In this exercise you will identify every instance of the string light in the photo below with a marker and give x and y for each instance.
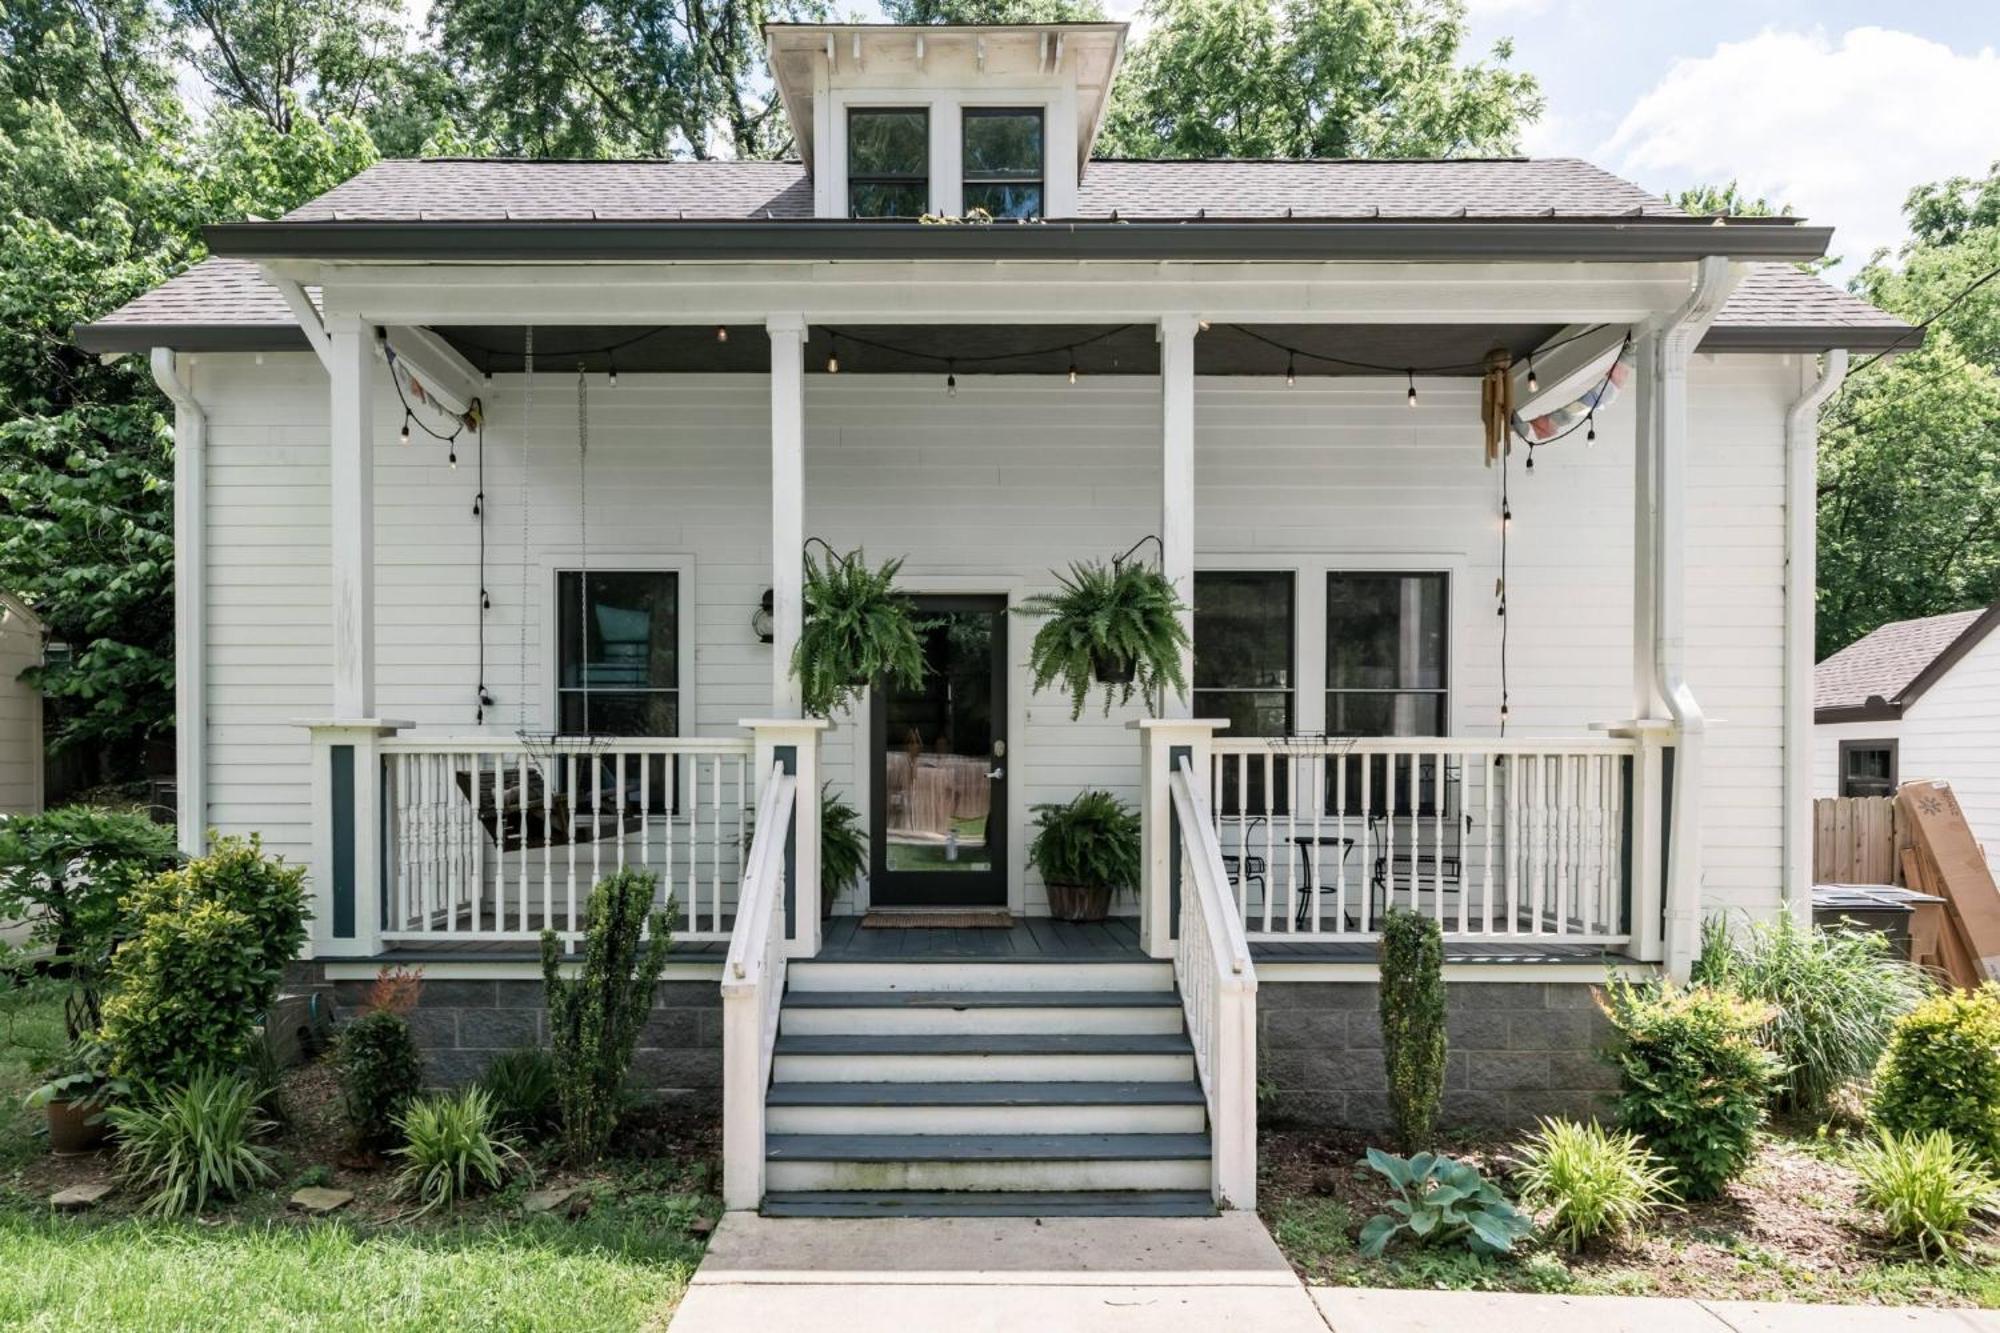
(1590, 436)
(722, 333)
(1534, 386)
(833, 357)
(405, 434)
(1531, 455)
(611, 375)
(951, 379)
(1411, 397)
(1072, 368)
(451, 456)
(1291, 371)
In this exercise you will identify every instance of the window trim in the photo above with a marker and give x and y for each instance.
(611, 562)
(1890, 743)
(922, 110)
(966, 115)
(1448, 691)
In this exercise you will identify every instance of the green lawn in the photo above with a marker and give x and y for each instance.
(253, 1265)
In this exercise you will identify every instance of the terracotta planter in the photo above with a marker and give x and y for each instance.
(1113, 670)
(1077, 902)
(73, 1128)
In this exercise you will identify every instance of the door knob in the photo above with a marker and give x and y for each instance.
(996, 773)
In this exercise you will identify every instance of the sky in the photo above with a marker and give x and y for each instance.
(1835, 107)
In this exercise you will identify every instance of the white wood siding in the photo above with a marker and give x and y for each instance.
(20, 716)
(1952, 731)
(986, 492)
(1827, 737)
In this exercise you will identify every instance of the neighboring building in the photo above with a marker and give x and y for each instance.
(20, 710)
(463, 676)
(1915, 699)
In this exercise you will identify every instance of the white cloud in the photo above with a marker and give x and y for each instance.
(1839, 132)
(1496, 9)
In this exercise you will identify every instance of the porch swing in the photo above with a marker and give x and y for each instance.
(565, 795)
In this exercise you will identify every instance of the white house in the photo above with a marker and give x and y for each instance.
(20, 709)
(495, 478)
(1915, 699)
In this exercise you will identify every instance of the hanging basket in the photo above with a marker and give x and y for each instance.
(1113, 669)
(1078, 902)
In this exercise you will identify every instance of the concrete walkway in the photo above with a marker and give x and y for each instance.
(994, 1275)
(1127, 1275)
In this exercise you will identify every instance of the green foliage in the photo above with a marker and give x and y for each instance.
(1592, 1181)
(1092, 842)
(1833, 993)
(1941, 1071)
(211, 944)
(1298, 78)
(63, 873)
(843, 845)
(449, 1149)
(858, 629)
(1694, 1080)
(1413, 1023)
(595, 1017)
(1115, 618)
(1928, 1188)
(192, 1143)
(380, 1071)
(1442, 1202)
(993, 11)
(522, 1088)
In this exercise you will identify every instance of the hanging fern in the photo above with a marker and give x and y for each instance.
(858, 629)
(1107, 621)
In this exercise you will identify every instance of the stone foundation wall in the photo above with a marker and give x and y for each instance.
(462, 1025)
(1517, 1051)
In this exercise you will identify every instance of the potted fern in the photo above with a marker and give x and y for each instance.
(858, 629)
(1086, 852)
(843, 848)
(1117, 625)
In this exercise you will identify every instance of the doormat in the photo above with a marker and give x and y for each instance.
(993, 920)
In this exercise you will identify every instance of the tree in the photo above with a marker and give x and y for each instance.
(1314, 78)
(993, 11)
(271, 57)
(105, 62)
(1731, 201)
(1909, 479)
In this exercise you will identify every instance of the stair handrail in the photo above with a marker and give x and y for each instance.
(753, 989)
(1218, 984)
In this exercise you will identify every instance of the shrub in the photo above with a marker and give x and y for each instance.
(1091, 842)
(212, 942)
(594, 1017)
(62, 875)
(843, 847)
(1118, 624)
(1927, 1187)
(1694, 1082)
(1442, 1202)
(1413, 1016)
(857, 629)
(1941, 1070)
(1592, 1181)
(380, 1071)
(449, 1149)
(1834, 994)
(193, 1143)
(522, 1085)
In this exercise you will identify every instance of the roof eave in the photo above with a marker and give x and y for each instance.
(1875, 710)
(1813, 338)
(120, 338)
(1602, 241)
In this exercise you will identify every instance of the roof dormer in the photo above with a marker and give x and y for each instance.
(897, 121)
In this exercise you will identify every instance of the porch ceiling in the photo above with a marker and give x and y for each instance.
(1011, 349)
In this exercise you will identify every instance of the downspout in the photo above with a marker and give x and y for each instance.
(1801, 561)
(1673, 350)
(190, 604)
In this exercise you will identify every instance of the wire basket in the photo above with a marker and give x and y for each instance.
(1308, 744)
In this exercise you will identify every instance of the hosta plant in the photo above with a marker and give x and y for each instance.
(1590, 1180)
(1928, 1188)
(1118, 624)
(858, 629)
(194, 1143)
(450, 1149)
(1441, 1201)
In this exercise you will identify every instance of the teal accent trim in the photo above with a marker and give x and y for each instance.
(341, 775)
(788, 759)
(1174, 756)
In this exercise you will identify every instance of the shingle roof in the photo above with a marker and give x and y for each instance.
(1776, 303)
(1886, 661)
(480, 189)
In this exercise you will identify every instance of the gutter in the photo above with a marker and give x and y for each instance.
(1601, 240)
(190, 604)
(1801, 547)
(1673, 347)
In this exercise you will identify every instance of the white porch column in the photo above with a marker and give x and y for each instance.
(1162, 741)
(794, 743)
(1177, 482)
(190, 603)
(352, 480)
(788, 505)
(1816, 385)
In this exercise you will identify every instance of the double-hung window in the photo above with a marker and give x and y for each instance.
(1003, 162)
(618, 653)
(1386, 640)
(1243, 653)
(888, 162)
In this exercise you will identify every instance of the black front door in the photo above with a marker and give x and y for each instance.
(938, 757)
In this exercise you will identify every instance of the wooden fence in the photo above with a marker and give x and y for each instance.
(1858, 840)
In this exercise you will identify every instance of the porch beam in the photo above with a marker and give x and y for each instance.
(351, 474)
(1177, 334)
(788, 506)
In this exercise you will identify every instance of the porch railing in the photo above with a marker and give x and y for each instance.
(486, 838)
(753, 989)
(1218, 985)
(1494, 839)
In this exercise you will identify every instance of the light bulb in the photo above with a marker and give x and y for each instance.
(833, 363)
(452, 457)
(1291, 371)
(1590, 436)
(1411, 397)
(950, 384)
(405, 434)
(612, 377)
(1534, 385)
(722, 333)
(1072, 370)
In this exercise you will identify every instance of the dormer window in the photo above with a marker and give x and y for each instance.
(1003, 162)
(888, 162)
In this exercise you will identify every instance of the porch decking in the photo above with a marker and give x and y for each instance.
(1034, 939)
